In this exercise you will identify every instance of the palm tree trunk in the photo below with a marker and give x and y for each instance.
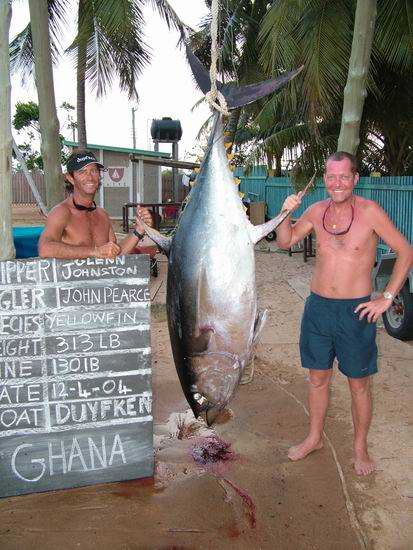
(355, 90)
(231, 129)
(49, 124)
(7, 250)
(278, 167)
(81, 82)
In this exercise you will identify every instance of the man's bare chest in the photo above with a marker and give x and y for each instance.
(87, 228)
(360, 239)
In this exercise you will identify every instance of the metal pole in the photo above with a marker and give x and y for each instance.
(159, 172)
(133, 128)
(175, 178)
(134, 167)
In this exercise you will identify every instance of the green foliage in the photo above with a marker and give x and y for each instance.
(32, 157)
(25, 120)
(259, 39)
(26, 116)
(319, 33)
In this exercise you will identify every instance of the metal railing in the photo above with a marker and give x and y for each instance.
(155, 207)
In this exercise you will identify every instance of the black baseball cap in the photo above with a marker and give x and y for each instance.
(80, 159)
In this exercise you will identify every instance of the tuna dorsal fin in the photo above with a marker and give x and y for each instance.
(237, 96)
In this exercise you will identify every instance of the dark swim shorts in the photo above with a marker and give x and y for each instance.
(330, 329)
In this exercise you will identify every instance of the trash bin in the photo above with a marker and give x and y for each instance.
(257, 212)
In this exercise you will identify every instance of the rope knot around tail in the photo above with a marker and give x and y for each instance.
(217, 101)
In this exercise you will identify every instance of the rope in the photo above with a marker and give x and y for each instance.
(214, 97)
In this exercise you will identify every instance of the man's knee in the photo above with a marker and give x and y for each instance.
(319, 379)
(359, 386)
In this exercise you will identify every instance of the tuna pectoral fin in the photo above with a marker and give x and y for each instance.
(258, 232)
(259, 325)
(205, 335)
(163, 242)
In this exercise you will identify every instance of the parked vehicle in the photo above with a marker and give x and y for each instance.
(398, 319)
(272, 235)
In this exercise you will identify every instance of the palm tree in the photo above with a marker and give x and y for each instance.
(49, 124)
(6, 239)
(319, 35)
(109, 44)
(355, 90)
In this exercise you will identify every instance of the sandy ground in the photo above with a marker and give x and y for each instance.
(259, 499)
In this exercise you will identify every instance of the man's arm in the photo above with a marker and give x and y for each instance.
(386, 230)
(51, 245)
(143, 216)
(287, 234)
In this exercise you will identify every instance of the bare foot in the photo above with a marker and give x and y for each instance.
(300, 451)
(363, 464)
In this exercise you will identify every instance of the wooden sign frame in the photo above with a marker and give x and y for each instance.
(75, 373)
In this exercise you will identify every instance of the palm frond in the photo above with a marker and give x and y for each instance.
(170, 16)
(394, 33)
(204, 128)
(114, 44)
(21, 47)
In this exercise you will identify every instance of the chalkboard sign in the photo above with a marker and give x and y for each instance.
(75, 373)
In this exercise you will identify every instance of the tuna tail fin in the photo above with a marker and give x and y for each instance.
(237, 96)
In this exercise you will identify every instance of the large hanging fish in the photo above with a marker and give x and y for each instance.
(211, 293)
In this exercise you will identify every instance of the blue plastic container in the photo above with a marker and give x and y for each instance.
(26, 240)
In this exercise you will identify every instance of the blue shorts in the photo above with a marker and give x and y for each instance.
(330, 329)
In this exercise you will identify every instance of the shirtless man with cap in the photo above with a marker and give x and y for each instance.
(339, 315)
(76, 227)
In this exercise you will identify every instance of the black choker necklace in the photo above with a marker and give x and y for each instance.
(338, 232)
(81, 207)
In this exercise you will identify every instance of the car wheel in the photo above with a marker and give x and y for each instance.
(398, 319)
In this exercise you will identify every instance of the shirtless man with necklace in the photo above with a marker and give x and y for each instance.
(76, 227)
(339, 316)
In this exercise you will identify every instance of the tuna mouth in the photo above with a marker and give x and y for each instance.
(216, 376)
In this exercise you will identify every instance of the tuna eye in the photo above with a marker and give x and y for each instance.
(199, 398)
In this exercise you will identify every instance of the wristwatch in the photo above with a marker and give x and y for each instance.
(137, 234)
(388, 295)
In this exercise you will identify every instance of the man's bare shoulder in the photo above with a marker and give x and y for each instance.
(313, 211)
(60, 210)
(102, 212)
(370, 207)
